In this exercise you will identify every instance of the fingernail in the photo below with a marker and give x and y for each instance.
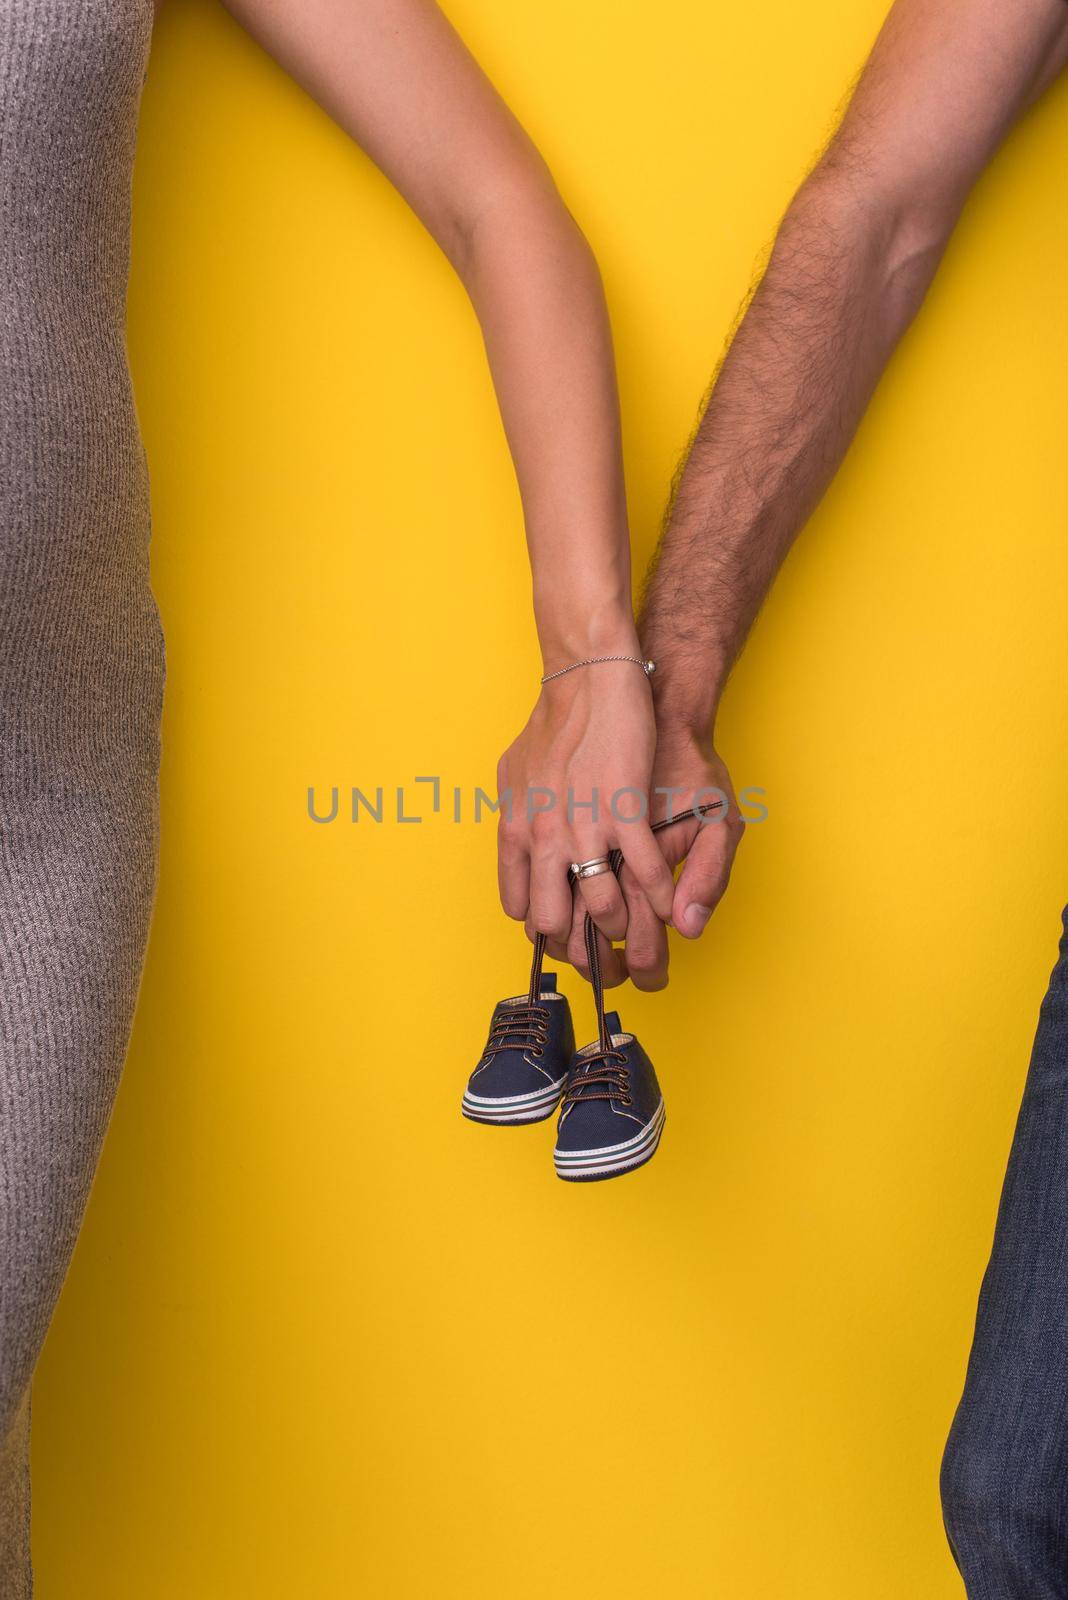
(696, 917)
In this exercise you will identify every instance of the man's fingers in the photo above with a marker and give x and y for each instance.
(647, 946)
(645, 861)
(705, 874)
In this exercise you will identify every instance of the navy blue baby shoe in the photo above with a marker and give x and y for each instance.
(613, 1111)
(524, 1066)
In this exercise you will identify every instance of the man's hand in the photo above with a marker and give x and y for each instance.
(578, 776)
(687, 773)
(852, 260)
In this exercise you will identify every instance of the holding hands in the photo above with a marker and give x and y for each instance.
(576, 786)
(590, 774)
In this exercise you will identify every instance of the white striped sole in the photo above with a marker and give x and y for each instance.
(533, 1107)
(577, 1166)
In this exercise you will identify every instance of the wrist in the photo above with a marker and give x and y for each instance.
(686, 696)
(603, 627)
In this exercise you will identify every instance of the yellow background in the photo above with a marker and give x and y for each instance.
(322, 1337)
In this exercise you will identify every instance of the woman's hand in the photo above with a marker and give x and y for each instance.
(687, 772)
(395, 74)
(578, 779)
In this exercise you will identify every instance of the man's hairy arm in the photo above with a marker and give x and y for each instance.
(851, 263)
(853, 258)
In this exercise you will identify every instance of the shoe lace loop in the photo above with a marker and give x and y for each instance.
(523, 1027)
(604, 1076)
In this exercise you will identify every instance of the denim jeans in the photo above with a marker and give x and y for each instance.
(1005, 1470)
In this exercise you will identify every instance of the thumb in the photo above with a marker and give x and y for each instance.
(703, 878)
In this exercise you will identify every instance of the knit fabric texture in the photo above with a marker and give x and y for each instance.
(81, 661)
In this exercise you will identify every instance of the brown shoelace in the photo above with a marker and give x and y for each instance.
(529, 1024)
(604, 1071)
(603, 1076)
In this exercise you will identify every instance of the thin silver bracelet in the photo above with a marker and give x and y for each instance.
(648, 667)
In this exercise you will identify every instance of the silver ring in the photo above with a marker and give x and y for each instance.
(591, 869)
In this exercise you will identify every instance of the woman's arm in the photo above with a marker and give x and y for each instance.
(395, 75)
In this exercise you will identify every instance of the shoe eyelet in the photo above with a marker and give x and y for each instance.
(537, 1051)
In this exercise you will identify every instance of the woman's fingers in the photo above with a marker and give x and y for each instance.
(613, 962)
(555, 949)
(550, 890)
(603, 899)
(513, 872)
(535, 889)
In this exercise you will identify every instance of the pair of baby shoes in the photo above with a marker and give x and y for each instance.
(612, 1111)
(611, 1108)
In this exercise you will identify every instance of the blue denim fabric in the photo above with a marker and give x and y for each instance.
(1005, 1470)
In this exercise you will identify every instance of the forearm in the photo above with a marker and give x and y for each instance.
(590, 738)
(397, 77)
(841, 286)
(537, 293)
(855, 254)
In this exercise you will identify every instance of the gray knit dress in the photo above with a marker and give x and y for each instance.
(81, 661)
